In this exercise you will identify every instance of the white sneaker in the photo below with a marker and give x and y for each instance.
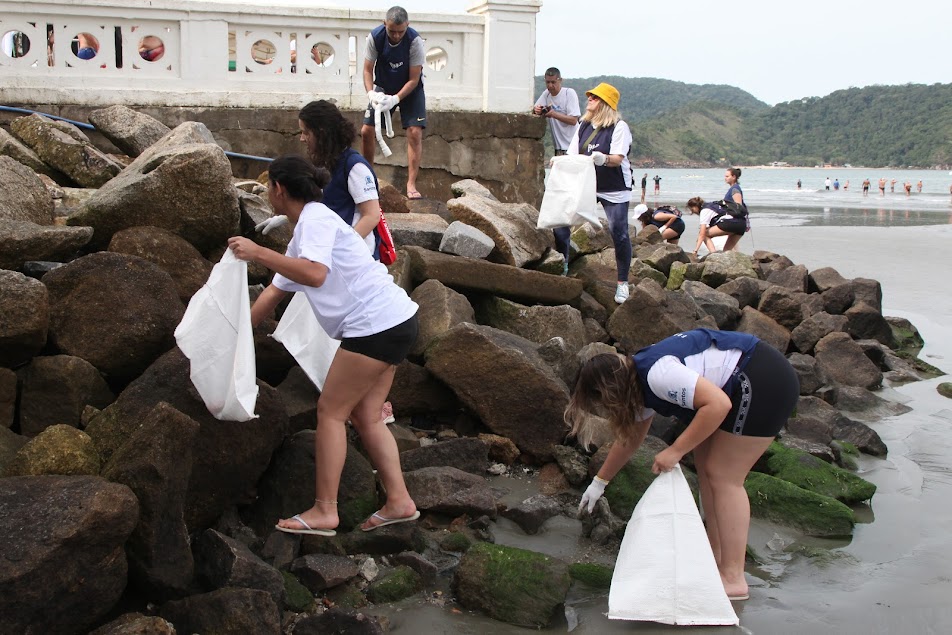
(621, 293)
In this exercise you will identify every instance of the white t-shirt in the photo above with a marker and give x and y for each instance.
(673, 381)
(358, 297)
(707, 215)
(621, 143)
(362, 188)
(565, 103)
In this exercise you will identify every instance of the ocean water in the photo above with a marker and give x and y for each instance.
(774, 200)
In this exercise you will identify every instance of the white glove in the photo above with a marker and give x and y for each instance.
(592, 494)
(272, 223)
(599, 157)
(388, 102)
(374, 96)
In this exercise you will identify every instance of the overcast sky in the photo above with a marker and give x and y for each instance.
(777, 51)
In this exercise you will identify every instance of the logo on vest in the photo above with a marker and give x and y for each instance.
(395, 65)
(593, 146)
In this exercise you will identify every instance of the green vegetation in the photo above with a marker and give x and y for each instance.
(782, 502)
(400, 583)
(679, 124)
(596, 576)
(457, 542)
(818, 476)
(299, 599)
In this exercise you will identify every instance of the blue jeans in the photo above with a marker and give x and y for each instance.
(617, 214)
(563, 240)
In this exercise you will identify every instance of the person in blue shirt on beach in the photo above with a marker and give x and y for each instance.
(393, 75)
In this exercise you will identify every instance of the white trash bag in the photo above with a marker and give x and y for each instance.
(216, 336)
(308, 343)
(665, 571)
(569, 197)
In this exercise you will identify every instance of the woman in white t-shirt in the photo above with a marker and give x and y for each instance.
(715, 221)
(734, 391)
(356, 301)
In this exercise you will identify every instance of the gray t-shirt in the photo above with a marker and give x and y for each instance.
(566, 103)
(417, 51)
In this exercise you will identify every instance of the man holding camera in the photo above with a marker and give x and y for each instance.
(560, 106)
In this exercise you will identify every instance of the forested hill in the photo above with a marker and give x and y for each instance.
(878, 126)
(644, 98)
(681, 124)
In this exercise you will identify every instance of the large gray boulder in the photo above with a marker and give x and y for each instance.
(56, 389)
(825, 278)
(227, 611)
(662, 256)
(186, 189)
(155, 463)
(130, 131)
(450, 491)
(814, 328)
(67, 570)
(723, 266)
(722, 307)
(441, 309)
(865, 322)
(24, 317)
(62, 146)
(460, 239)
(22, 241)
(12, 147)
(512, 282)
(225, 562)
(23, 196)
(765, 327)
(422, 230)
(651, 314)
(842, 360)
(512, 226)
(501, 378)
(794, 278)
(512, 585)
(537, 324)
(59, 449)
(115, 311)
(783, 305)
(172, 253)
(228, 457)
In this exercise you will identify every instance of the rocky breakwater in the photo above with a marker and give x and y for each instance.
(125, 507)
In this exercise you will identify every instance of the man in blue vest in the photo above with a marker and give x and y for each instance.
(393, 74)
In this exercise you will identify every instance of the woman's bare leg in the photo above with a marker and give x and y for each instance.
(728, 461)
(701, 455)
(350, 377)
(382, 448)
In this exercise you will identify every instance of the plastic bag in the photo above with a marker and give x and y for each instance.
(308, 343)
(569, 197)
(665, 570)
(388, 253)
(215, 335)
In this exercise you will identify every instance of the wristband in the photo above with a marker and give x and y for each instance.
(600, 479)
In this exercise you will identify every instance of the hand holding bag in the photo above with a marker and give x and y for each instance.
(216, 336)
(569, 197)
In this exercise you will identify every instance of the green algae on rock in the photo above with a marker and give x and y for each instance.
(816, 475)
(596, 576)
(777, 500)
(400, 583)
(512, 585)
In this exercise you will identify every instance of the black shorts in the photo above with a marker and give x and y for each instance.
(732, 225)
(767, 392)
(391, 346)
(677, 225)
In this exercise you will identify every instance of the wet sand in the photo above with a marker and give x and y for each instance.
(895, 575)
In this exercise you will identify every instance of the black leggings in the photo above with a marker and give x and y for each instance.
(767, 392)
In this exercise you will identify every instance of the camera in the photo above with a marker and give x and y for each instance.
(545, 109)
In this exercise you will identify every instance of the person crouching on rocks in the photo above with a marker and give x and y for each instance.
(356, 301)
(736, 393)
(716, 220)
(667, 218)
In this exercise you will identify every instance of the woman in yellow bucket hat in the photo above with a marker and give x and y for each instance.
(603, 135)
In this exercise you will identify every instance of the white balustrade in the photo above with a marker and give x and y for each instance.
(219, 54)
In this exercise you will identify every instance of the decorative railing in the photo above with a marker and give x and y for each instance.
(219, 54)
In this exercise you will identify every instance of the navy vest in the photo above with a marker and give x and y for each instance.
(669, 209)
(683, 345)
(606, 179)
(392, 68)
(337, 196)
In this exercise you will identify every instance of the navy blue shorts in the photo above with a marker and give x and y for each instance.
(677, 225)
(412, 110)
(766, 393)
(391, 346)
(732, 225)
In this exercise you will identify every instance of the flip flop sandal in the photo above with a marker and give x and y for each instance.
(389, 521)
(311, 531)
